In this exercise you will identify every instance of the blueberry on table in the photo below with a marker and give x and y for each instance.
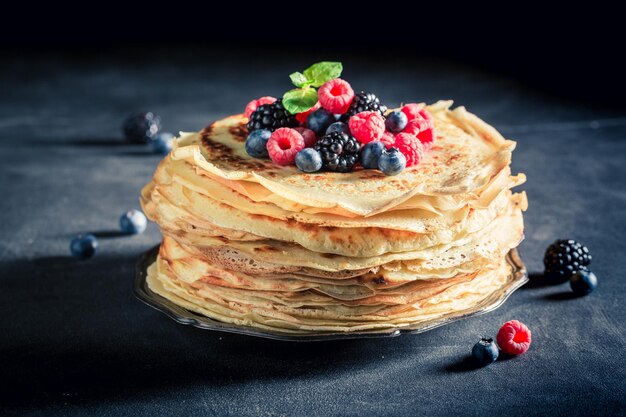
(162, 143)
(133, 222)
(583, 282)
(392, 162)
(309, 160)
(370, 154)
(319, 121)
(396, 121)
(256, 144)
(485, 351)
(84, 246)
(142, 127)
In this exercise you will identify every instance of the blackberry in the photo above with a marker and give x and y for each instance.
(271, 117)
(364, 102)
(340, 152)
(142, 127)
(564, 258)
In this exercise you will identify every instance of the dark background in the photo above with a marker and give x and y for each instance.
(73, 340)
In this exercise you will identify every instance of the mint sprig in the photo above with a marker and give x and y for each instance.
(299, 100)
(304, 97)
(318, 74)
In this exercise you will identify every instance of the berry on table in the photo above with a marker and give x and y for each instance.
(133, 222)
(339, 152)
(338, 127)
(283, 145)
(141, 127)
(319, 120)
(485, 351)
(162, 143)
(514, 337)
(391, 162)
(370, 154)
(309, 136)
(367, 126)
(254, 104)
(256, 143)
(583, 282)
(309, 160)
(364, 102)
(396, 121)
(271, 117)
(84, 246)
(410, 147)
(301, 117)
(336, 96)
(563, 258)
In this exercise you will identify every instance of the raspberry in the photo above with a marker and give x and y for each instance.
(301, 117)
(410, 147)
(388, 139)
(251, 107)
(422, 129)
(514, 337)
(336, 96)
(283, 145)
(367, 126)
(308, 135)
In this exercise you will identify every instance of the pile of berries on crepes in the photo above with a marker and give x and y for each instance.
(324, 211)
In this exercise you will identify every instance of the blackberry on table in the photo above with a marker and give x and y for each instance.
(339, 152)
(564, 258)
(271, 117)
(364, 102)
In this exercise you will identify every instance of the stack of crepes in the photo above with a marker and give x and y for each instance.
(251, 243)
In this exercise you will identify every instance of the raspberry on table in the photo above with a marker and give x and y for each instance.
(410, 147)
(336, 96)
(309, 136)
(301, 117)
(283, 145)
(367, 126)
(252, 106)
(514, 337)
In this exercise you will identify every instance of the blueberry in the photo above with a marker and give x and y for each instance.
(319, 121)
(391, 162)
(162, 143)
(396, 121)
(371, 153)
(338, 127)
(142, 127)
(309, 160)
(583, 282)
(133, 222)
(485, 352)
(84, 246)
(256, 144)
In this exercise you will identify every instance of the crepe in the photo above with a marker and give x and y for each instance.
(248, 242)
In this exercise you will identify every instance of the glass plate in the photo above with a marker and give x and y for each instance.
(516, 279)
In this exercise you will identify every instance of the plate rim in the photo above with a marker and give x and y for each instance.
(184, 316)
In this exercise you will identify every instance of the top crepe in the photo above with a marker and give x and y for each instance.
(467, 154)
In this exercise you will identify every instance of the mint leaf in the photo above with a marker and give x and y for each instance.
(298, 79)
(299, 99)
(318, 74)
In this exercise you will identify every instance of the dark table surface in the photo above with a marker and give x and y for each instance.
(74, 340)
